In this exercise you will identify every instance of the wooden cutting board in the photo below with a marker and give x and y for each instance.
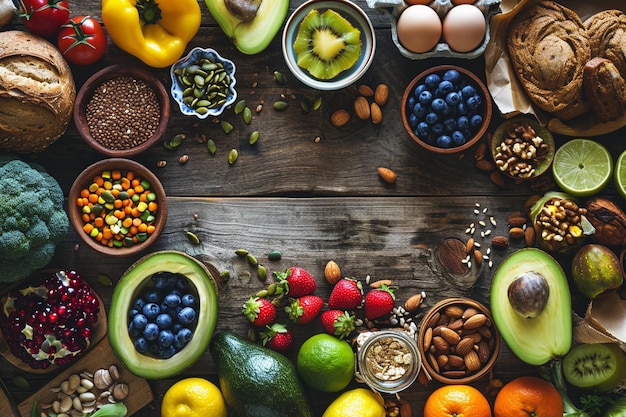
(7, 408)
(101, 355)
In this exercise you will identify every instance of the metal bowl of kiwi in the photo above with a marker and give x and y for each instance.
(328, 44)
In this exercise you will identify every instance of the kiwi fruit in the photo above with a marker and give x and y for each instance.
(326, 44)
(597, 366)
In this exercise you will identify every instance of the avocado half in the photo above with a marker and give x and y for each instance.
(255, 33)
(548, 334)
(131, 283)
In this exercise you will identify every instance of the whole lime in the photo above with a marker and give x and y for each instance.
(326, 362)
(596, 269)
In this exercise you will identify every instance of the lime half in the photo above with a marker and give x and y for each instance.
(582, 167)
(620, 174)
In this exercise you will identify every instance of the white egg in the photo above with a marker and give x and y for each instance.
(419, 28)
(464, 27)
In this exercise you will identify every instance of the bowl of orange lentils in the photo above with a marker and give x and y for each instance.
(117, 206)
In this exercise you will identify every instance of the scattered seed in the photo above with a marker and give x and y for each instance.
(476, 211)
(21, 382)
(193, 238)
(487, 232)
(227, 127)
(482, 223)
(232, 156)
(247, 115)
(104, 280)
(225, 275)
(174, 142)
(161, 164)
(261, 272)
(211, 146)
(254, 136)
(492, 220)
(242, 253)
(252, 260)
(304, 105)
(317, 103)
(279, 77)
(183, 159)
(241, 104)
(274, 255)
(259, 108)
(485, 210)
(280, 105)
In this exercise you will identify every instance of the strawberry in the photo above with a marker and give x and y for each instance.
(277, 337)
(347, 294)
(297, 282)
(339, 323)
(304, 309)
(379, 302)
(259, 311)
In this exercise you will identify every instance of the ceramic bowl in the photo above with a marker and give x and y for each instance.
(357, 17)
(440, 350)
(86, 94)
(117, 245)
(180, 73)
(538, 164)
(484, 109)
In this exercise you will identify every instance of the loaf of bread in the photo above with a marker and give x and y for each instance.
(37, 92)
(548, 47)
(605, 89)
(607, 36)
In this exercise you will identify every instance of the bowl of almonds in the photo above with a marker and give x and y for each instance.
(458, 341)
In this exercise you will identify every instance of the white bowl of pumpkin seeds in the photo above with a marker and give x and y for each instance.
(203, 83)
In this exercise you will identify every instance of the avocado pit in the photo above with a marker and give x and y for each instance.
(528, 294)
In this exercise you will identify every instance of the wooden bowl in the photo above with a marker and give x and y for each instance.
(484, 109)
(86, 178)
(449, 374)
(504, 131)
(86, 93)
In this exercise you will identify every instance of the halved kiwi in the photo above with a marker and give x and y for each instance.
(326, 44)
(597, 366)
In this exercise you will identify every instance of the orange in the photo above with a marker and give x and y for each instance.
(457, 401)
(528, 396)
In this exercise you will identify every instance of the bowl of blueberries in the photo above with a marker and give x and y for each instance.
(446, 109)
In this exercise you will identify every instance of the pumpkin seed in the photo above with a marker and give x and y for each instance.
(211, 146)
(104, 280)
(261, 272)
(317, 103)
(242, 253)
(227, 127)
(232, 156)
(274, 255)
(262, 293)
(174, 142)
(193, 238)
(247, 115)
(241, 104)
(279, 77)
(254, 136)
(252, 259)
(280, 105)
(304, 105)
(21, 382)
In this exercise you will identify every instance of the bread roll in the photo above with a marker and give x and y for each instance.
(37, 92)
(607, 36)
(605, 89)
(548, 47)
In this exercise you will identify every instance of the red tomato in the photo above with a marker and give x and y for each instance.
(82, 40)
(44, 17)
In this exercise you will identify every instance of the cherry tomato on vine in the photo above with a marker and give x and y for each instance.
(82, 40)
(43, 17)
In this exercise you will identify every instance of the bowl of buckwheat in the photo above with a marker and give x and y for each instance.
(121, 111)
(522, 149)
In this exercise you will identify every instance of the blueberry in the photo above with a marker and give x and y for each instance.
(461, 109)
(141, 345)
(444, 141)
(449, 124)
(172, 300)
(473, 102)
(468, 91)
(158, 280)
(164, 321)
(453, 76)
(153, 297)
(437, 129)
(176, 327)
(166, 338)
(444, 88)
(423, 129)
(418, 89)
(187, 315)
(439, 105)
(132, 313)
(413, 120)
(410, 103)
(140, 321)
(476, 121)
(153, 348)
(425, 97)
(139, 303)
(431, 118)
(458, 138)
(462, 123)
(184, 334)
(151, 310)
(167, 352)
(453, 98)
(133, 331)
(178, 344)
(173, 311)
(432, 81)
(151, 331)
(420, 110)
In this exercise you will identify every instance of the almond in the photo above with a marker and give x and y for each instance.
(516, 233)
(469, 246)
(332, 272)
(472, 362)
(464, 346)
(380, 283)
(454, 311)
(500, 242)
(365, 90)
(474, 322)
(481, 151)
(340, 118)
(455, 361)
(450, 335)
(483, 352)
(517, 221)
(440, 344)
(485, 165)
(529, 236)
(376, 113)
(361, 108)
(387, 175)
(413, 303)
(381, 94)
(478, 257)
(406, 410)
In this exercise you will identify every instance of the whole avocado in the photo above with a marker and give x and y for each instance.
(257, 381)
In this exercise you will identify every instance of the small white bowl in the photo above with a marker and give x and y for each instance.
(195, 55)
(357, 17)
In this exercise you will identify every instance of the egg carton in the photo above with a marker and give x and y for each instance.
(394, 8)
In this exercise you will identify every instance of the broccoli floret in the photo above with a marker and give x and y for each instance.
(32, 218)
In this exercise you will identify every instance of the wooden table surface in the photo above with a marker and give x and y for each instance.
(314, 200)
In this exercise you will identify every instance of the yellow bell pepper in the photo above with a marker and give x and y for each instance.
(155, 32)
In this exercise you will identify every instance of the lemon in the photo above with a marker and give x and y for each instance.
(358, 402)
(326, 362)
(193, 397)
(582, 167)
(620, 174)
